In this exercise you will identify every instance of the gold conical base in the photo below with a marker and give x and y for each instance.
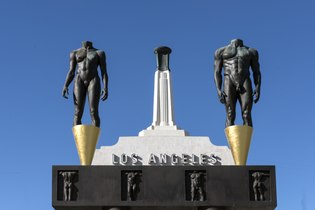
(239, 138)
(86, 137)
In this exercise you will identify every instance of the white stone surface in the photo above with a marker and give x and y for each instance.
(196, 148)
(163, 131)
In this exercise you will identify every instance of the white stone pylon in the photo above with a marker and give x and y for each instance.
(163, 114)
(163, 101)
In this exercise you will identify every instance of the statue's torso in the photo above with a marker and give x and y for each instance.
(87, 61)
(236, 63)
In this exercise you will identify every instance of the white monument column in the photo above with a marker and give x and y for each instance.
(163, 101)
(163, 116)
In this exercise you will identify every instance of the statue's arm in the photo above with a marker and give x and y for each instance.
(256, 74)
(103, 68)
(70, 75)
(218, 64)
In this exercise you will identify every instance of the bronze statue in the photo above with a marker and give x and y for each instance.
(237, 59)
(87, 81)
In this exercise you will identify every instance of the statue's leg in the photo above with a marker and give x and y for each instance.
(230, 101)
(261, 194)
(65, 192)
(69, 194)
(260, 190)
(94, 92)
(134, 192)
(79, 95)
(192, 193)
(129, 192)
(246, 101)
(255, 192)
(201, 195)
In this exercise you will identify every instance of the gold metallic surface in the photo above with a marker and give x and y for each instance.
(239, 138)
(86, 137)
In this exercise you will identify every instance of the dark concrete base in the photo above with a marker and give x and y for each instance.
(163, 187)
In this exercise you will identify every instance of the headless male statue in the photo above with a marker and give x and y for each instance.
(87, 81)
(236, 59)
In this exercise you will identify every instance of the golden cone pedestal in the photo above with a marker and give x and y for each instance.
(239, 138)
(86, 137)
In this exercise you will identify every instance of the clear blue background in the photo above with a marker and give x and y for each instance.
(35, 122)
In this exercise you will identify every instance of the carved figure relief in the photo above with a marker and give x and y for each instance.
(196, 183)
(68, 184)
(132, 185)
(259, 186)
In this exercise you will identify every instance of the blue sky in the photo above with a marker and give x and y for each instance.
(35, 123)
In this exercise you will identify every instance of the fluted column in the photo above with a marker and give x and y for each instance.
(163, 113)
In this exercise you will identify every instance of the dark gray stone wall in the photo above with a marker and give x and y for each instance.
(162, 187)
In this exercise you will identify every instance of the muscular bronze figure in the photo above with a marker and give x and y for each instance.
(87, 81)
(237, 59)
